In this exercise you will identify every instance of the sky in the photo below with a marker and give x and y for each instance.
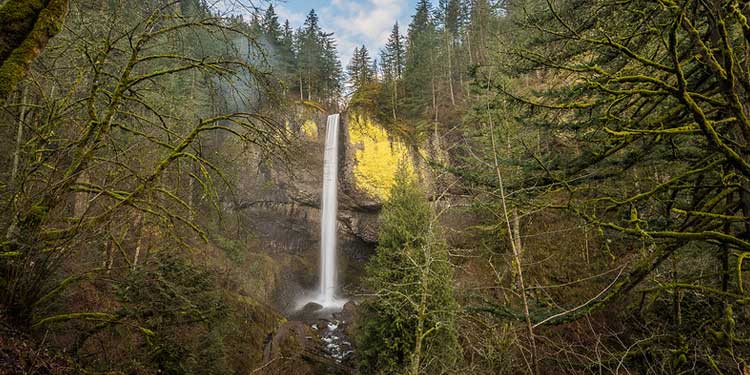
(353, 22)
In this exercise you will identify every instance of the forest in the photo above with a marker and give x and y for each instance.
(520, 187)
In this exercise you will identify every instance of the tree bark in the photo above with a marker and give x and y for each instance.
(450, 68)
(26, 26)
(139, 225)
(19, 140)
(395, 97)
(421, 317)
(81, 201)
(515, 238)
(16, 162)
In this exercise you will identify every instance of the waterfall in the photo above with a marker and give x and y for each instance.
(329, 207)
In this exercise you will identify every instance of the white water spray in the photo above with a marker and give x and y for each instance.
(329, 207)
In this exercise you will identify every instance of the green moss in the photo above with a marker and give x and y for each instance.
(38, 213)
(19, 52)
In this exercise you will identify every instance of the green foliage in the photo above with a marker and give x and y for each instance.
(365, 98)
(413, 281)
(270, 25)
(360, 69)
(188, 321)
(420, 65)
(119, 154)
(319, 72)
(405, 219)
(166, 297)
(614, 117)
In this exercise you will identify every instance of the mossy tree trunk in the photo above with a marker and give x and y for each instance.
(25, 28)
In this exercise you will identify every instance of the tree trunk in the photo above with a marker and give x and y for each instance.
(81, 200)
(450, 70)
(395, 98)
(515, 238)
(416, 357)
(309, 87)
(517, 231)
(25, 29)
(19, 140)
(432, 84)
(139, 225)
(301, 88)
(16, 162)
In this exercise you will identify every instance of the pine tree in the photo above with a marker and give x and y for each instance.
(353, 69)
(319, 71)
(287, 35)
(449, 22)
(479, 30)
(421, 21)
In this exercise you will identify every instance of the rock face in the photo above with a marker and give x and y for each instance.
(278, 202)
(287, 350)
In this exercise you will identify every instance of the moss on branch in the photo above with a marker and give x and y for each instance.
(26, 26)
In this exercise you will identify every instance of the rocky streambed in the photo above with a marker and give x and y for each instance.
(336, 342)
(313, 342)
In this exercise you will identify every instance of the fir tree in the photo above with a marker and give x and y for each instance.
(310, 55)
(393, 56)
(360, 69)
(270, 26)
(421, 60)
(287, 58)
(392, 61)
(410, 326)
(330, 71)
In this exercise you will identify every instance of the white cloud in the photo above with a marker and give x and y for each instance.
(295, 18)
(355, 23)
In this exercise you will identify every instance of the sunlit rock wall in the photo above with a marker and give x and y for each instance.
(279, 201)
(376, 156)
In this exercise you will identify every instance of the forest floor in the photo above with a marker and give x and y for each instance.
(20, 354)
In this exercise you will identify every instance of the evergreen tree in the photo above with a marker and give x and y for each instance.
(453, 17)
(298, 65)
(310, 55)
(271, 27)
(421, 21)
(330, 71)
(449, 24)
(392, 61)
(421, 60)
(287, 35)
(410, 326)
(287, 58)
(393, 56)
(479, 30)
(360, 69)
(319, 72)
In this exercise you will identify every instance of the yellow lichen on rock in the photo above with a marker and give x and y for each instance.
(310, 129)
(376, 156)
